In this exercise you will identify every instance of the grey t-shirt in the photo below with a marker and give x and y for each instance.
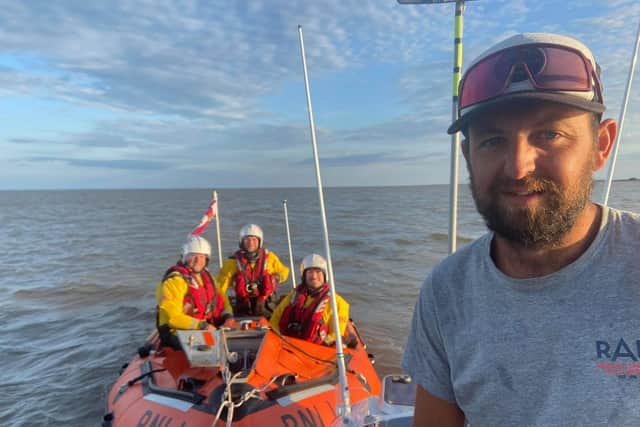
(558, 350)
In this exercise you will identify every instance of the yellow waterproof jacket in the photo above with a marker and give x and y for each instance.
(229, 270)
(343, 314)
(170, 297)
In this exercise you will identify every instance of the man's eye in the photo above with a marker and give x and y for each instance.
(490, 142)
(550, 134)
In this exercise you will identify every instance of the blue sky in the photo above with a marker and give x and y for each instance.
(150, 94)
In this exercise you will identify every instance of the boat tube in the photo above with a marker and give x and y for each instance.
(245, 375)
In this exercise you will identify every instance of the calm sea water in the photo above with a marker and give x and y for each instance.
(80, 268)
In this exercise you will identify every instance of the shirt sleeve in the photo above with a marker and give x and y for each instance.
(171, 296)
(343, 317)
(220, 305)
(224, 280)
(276, 267)
(425, 358)
(277, 313)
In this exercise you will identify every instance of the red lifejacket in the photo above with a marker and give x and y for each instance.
(306, 323)
(201, 302)
(247, 276)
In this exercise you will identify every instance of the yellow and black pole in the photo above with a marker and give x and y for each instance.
(455, 138)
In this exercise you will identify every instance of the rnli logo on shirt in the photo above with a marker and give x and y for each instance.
(621, 358)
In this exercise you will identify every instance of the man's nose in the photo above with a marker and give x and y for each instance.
(520, 158)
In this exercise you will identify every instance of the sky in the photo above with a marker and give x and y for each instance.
(210, 94)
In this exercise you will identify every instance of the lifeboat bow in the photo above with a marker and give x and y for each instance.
(246, 375)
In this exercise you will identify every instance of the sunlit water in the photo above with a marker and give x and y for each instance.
(80, 267)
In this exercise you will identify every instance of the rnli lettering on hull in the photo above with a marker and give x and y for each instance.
(303, 418)
(151, 419)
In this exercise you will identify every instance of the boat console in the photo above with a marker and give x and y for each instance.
(235, 348)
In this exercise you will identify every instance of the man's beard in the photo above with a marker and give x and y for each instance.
(538, 227)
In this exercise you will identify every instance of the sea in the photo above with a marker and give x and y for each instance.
(79, 269)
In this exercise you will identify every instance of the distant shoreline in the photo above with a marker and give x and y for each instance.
(632, 179)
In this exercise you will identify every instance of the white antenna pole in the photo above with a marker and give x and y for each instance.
(217, 215)
(625, 101)
(286, 223)
(345, 408)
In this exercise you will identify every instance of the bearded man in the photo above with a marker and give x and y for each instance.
(536, 323)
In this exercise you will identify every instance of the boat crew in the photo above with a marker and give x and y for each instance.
(305, 312)
(253, 273)
(536, 322)
(187, 296)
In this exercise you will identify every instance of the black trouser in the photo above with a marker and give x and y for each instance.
(167, 338)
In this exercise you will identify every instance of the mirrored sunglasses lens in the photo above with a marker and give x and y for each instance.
(563, 70)
(485, 80)
(548, 68)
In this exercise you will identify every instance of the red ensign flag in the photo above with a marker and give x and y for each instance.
(205, 220)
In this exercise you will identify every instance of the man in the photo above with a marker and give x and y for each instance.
(535, 323)
(254, 273)
(305, 312)
(187, 295)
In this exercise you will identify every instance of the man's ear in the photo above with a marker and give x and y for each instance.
(606, 138)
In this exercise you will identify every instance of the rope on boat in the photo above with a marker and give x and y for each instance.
(227, 398)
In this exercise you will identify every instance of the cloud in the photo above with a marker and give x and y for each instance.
(24, 141)
(85, 140)
(354, 160)
(199, 61)
(192, 84)
(105, 164)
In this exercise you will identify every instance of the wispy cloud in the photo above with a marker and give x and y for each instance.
(108, 164)
(365, 159)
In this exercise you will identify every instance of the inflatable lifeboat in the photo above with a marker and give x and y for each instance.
(244, 375)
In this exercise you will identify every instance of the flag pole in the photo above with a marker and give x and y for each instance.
(218, 238)
(286, 223)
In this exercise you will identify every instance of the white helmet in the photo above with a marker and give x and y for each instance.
(196, 245)
(251, 230)
(314, 261)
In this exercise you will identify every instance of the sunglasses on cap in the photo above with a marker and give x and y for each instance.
(546, 67)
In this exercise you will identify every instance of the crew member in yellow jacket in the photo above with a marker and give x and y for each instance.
(253, 273)
(187, 296)
(305, 312)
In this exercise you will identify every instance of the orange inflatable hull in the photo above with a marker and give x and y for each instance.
(270, 380)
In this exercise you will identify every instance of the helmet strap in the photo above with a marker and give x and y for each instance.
(251, 256)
